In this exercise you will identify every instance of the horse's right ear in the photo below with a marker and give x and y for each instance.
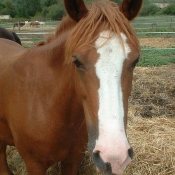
(130, 8)
(76, 9)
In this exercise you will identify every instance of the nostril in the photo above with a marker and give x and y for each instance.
(98, 161)
(131, 153)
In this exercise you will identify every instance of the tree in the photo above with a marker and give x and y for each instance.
(34, 6)
(150, 9)
(27, 7)
(21, 8)
(50, 2)
(55, 12)
(7, 8)
(10, 8)
(170, 9)
(2, 6)
(146, 2)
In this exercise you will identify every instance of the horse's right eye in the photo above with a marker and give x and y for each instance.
(78, 64)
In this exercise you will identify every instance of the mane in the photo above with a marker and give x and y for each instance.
(105, 13)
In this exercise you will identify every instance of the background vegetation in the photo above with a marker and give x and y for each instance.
(54, 9)
(150, 8)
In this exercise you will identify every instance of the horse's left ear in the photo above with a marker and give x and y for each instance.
(130, 8)
(76, 9)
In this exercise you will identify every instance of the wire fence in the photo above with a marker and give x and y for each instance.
(40, 36)
(146, 27)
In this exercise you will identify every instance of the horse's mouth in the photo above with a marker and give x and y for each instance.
(108, 170)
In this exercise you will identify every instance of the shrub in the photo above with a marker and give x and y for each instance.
(150, 9)
(2, 6)
(4, 12)
(45, 11)
(55, 12)
(170, 9)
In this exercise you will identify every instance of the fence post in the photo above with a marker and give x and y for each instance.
(171, 23)
(18, 26)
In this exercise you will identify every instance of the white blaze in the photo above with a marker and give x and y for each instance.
(111, 111)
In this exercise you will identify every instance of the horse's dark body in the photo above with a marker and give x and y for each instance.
(4, 33)
(18, 24)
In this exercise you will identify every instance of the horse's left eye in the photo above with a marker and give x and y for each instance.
(78, 64)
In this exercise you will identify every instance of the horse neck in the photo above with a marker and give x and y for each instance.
(65, 74)
(53, 53)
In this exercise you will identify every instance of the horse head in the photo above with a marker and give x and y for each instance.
(105, 50)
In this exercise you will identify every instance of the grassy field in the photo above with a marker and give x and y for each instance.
(157, 57)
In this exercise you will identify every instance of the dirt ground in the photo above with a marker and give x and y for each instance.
(160, 42)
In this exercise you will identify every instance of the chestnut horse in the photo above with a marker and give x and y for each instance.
(71, 87)
(4, 33)
(35, 24)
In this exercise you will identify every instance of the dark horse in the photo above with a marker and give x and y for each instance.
(4, 33)
(20, 24)
(80, 77)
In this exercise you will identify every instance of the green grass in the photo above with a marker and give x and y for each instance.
(164, 24)
(157, 57)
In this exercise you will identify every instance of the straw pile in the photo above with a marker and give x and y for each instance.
(151, 126)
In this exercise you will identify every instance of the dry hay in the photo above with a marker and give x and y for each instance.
(153, 92)
(154, 146)
(151, 122)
